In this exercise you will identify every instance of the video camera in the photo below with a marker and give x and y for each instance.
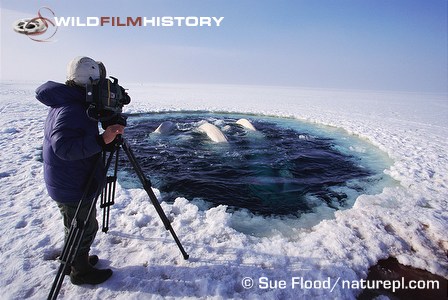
(106, 98)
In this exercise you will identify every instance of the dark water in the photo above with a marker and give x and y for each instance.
(271, 172)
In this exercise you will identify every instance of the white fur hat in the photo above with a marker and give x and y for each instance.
(82, 70)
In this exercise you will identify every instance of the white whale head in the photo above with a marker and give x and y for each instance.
(213, 132)
(166, 127)
(246, 124)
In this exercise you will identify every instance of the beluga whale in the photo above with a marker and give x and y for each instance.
(165, 128)
(213, 132)
(246, 124)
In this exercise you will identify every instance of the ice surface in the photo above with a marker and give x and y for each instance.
(408, 221)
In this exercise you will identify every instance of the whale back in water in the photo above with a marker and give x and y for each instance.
(213, 132)
(246, 124)
(166, 127)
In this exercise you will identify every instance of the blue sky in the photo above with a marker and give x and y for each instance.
(345, 44)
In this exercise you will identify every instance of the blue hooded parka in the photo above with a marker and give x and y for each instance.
(72, 144)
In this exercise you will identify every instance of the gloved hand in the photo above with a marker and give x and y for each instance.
(111, 132)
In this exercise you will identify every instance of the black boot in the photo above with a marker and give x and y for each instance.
(93, 260)
(84, 273)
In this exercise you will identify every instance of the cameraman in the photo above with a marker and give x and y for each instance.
(72, 147)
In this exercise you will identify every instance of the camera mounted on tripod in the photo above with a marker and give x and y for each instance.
(106, 99)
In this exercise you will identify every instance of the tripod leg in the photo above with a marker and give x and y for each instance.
(103, 205)
(57, 283)
(147, 186)
(69, 251)
(76, 233)
(108, 194)
(107, 201)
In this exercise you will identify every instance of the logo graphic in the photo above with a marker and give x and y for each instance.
(40, 28)
(43, 28)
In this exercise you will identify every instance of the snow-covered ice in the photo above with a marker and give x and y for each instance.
(408, 221)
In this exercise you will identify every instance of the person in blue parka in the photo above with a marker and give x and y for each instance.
(71, 148)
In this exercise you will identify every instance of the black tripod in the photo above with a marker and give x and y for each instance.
(107, 199)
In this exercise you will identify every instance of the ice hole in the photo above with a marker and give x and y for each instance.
(283, 168)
